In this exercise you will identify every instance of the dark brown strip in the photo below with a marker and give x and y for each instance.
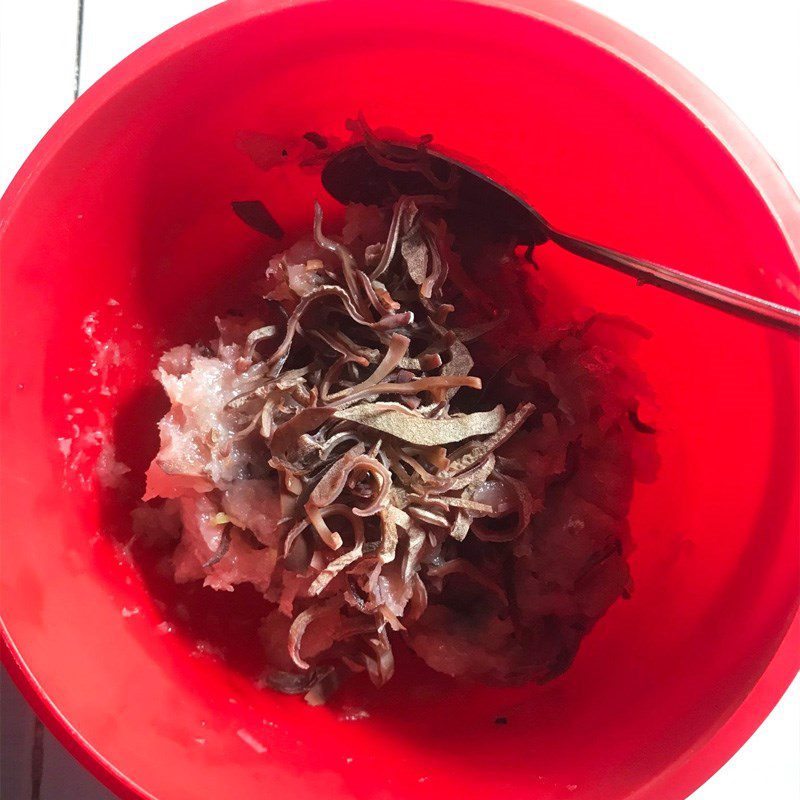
(256, 215)
(37, 759)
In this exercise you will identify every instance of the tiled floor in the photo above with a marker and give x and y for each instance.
(751, 53)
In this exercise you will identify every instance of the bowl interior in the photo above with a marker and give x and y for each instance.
(122, 242)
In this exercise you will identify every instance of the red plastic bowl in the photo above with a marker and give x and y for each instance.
(128, 199)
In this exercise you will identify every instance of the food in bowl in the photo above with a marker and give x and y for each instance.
(406, 444)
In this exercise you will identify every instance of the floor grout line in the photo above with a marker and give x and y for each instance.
(78, 50)
(37, 759)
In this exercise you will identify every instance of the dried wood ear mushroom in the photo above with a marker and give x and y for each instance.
(402, 446)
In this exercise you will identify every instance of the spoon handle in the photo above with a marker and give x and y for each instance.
(713, 294)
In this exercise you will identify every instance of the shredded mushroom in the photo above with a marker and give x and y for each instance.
(360, 370)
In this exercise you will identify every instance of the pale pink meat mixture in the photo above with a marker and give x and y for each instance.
(498, 605)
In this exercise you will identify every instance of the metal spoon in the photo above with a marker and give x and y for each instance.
(484, 207)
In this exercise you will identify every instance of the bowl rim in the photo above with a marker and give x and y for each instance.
(699, 763)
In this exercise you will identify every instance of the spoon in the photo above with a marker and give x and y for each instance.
(484, 208)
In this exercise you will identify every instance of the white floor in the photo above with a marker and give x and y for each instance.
(746, 52)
